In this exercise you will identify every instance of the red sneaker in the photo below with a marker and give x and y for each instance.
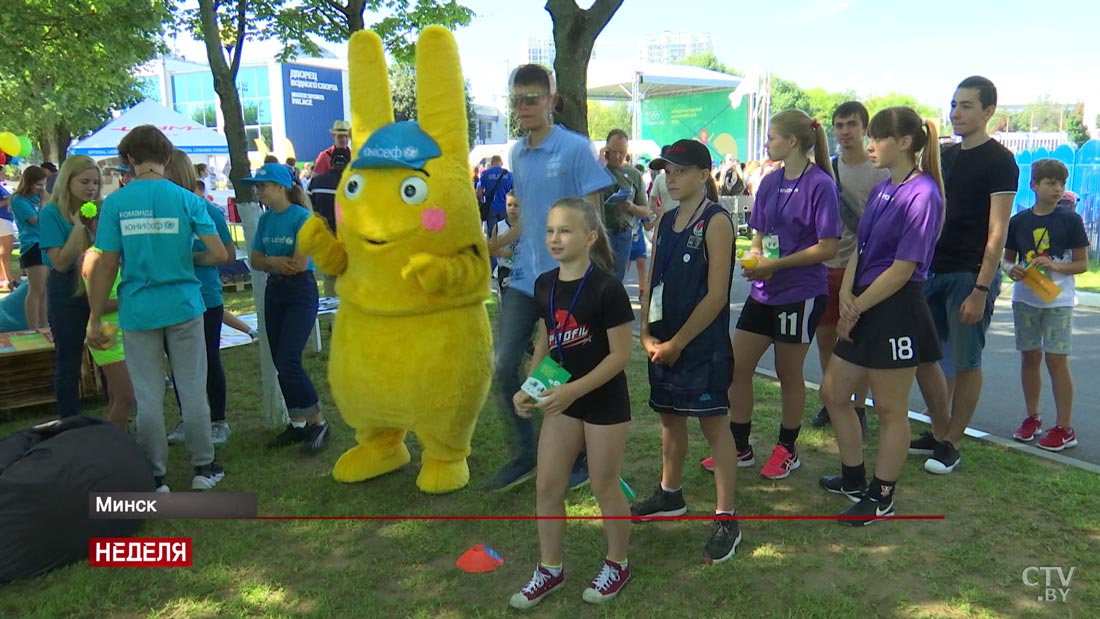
(607, 584)
(1029, 429)
(542, 584)
(744, 459)
(1058, 438)
(780, 465)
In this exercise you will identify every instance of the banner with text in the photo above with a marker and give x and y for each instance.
(313, 97)
(706, 117)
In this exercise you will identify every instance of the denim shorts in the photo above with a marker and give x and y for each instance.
(962, 344)
(1043, 328)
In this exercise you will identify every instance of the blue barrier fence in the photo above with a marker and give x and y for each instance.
(1084, 180)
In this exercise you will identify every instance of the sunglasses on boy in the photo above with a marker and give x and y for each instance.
(529, 99)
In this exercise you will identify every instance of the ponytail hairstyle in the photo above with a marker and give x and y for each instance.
(899, 122)
(600, 253)
(712, 188)
(808, 133)
(299, 196)
(180, 171)
(31, 177)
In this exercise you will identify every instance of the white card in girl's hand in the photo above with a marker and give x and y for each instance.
(771, 246)
(656, 303)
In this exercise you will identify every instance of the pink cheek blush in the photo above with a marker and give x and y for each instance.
(433, 219)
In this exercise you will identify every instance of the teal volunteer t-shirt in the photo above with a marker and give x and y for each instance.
(277, 233)
(26, 207)
(53, 230)
(152, 224)
(209, 277)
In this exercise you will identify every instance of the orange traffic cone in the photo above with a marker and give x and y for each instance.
(479, 559)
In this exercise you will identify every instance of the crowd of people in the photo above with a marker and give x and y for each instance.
(889, 254)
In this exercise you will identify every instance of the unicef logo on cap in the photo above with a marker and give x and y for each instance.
(397, 145)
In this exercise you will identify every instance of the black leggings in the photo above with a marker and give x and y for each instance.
(215, 374)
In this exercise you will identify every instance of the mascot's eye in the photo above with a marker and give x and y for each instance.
(354, 186)
(414, 190)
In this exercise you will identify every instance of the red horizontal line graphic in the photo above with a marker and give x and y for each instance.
(646, 519)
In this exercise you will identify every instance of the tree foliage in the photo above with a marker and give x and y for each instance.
(403, 89)
(1075, 126)
(708, 60)
(397, 21)
(603, 117)
(66, 65)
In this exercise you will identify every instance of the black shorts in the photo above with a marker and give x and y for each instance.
(790, 323)
(30, 256)
(897, 333)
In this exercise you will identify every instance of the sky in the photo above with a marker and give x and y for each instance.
(869, 46)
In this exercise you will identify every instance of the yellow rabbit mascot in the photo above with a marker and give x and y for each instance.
(411, 346)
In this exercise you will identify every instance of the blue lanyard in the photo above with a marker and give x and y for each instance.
(558, 334)
(658, 276)
(882, 208)
(774, 220)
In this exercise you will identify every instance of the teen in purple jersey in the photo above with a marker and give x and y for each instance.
(797, 224)
(885, 326)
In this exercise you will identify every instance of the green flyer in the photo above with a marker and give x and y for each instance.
(547, 374)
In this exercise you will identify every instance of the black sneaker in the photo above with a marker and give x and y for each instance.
(511, 476)
(208, 476)
(835, 484)
(868, 511)
(316, 436)
(923, 445)
(945, 459)
(660, 504)
(722, 541)
(821, 419)
(160, 485)
(289, 436)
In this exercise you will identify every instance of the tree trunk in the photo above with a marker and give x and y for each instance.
(44, 147)
(575, 32)
(62, 137)
(225, 77)
(354, 14)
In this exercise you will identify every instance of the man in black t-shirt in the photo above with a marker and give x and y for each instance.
(980, 178)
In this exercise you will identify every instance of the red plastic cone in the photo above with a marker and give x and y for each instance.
(479, 559)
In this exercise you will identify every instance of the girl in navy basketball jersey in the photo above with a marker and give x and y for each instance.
(797, 228)
(885, 327)
(585, 328)
(685, 333)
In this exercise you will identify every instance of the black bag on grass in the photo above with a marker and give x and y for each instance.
(46, 473)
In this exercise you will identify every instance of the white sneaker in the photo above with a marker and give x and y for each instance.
(206, 477)
(176, 436)
(219, 432)
(162, 487)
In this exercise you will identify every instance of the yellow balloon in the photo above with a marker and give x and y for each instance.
(9, 143)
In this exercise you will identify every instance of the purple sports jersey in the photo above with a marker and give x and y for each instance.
(801, 212)
(900, 223)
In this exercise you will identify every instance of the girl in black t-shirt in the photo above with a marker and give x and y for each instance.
(585, 329)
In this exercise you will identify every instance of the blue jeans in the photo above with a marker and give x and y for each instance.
(290, 311)
(518, 315)
(68, 316)
(621, 242)
(962, 344)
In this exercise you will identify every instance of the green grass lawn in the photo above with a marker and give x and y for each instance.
(1004, 511)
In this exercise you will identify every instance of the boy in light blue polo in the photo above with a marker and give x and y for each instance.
(149, 226)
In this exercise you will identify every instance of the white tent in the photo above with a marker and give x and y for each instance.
(187, 135)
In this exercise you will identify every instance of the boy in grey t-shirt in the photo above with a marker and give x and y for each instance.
(856, 176)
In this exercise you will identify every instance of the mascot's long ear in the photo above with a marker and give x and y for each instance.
(440, 92)
(371, 104)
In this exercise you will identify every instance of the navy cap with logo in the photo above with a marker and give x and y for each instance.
(683, 153)
(397, 145)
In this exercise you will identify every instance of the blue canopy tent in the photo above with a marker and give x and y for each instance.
(187, 135)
